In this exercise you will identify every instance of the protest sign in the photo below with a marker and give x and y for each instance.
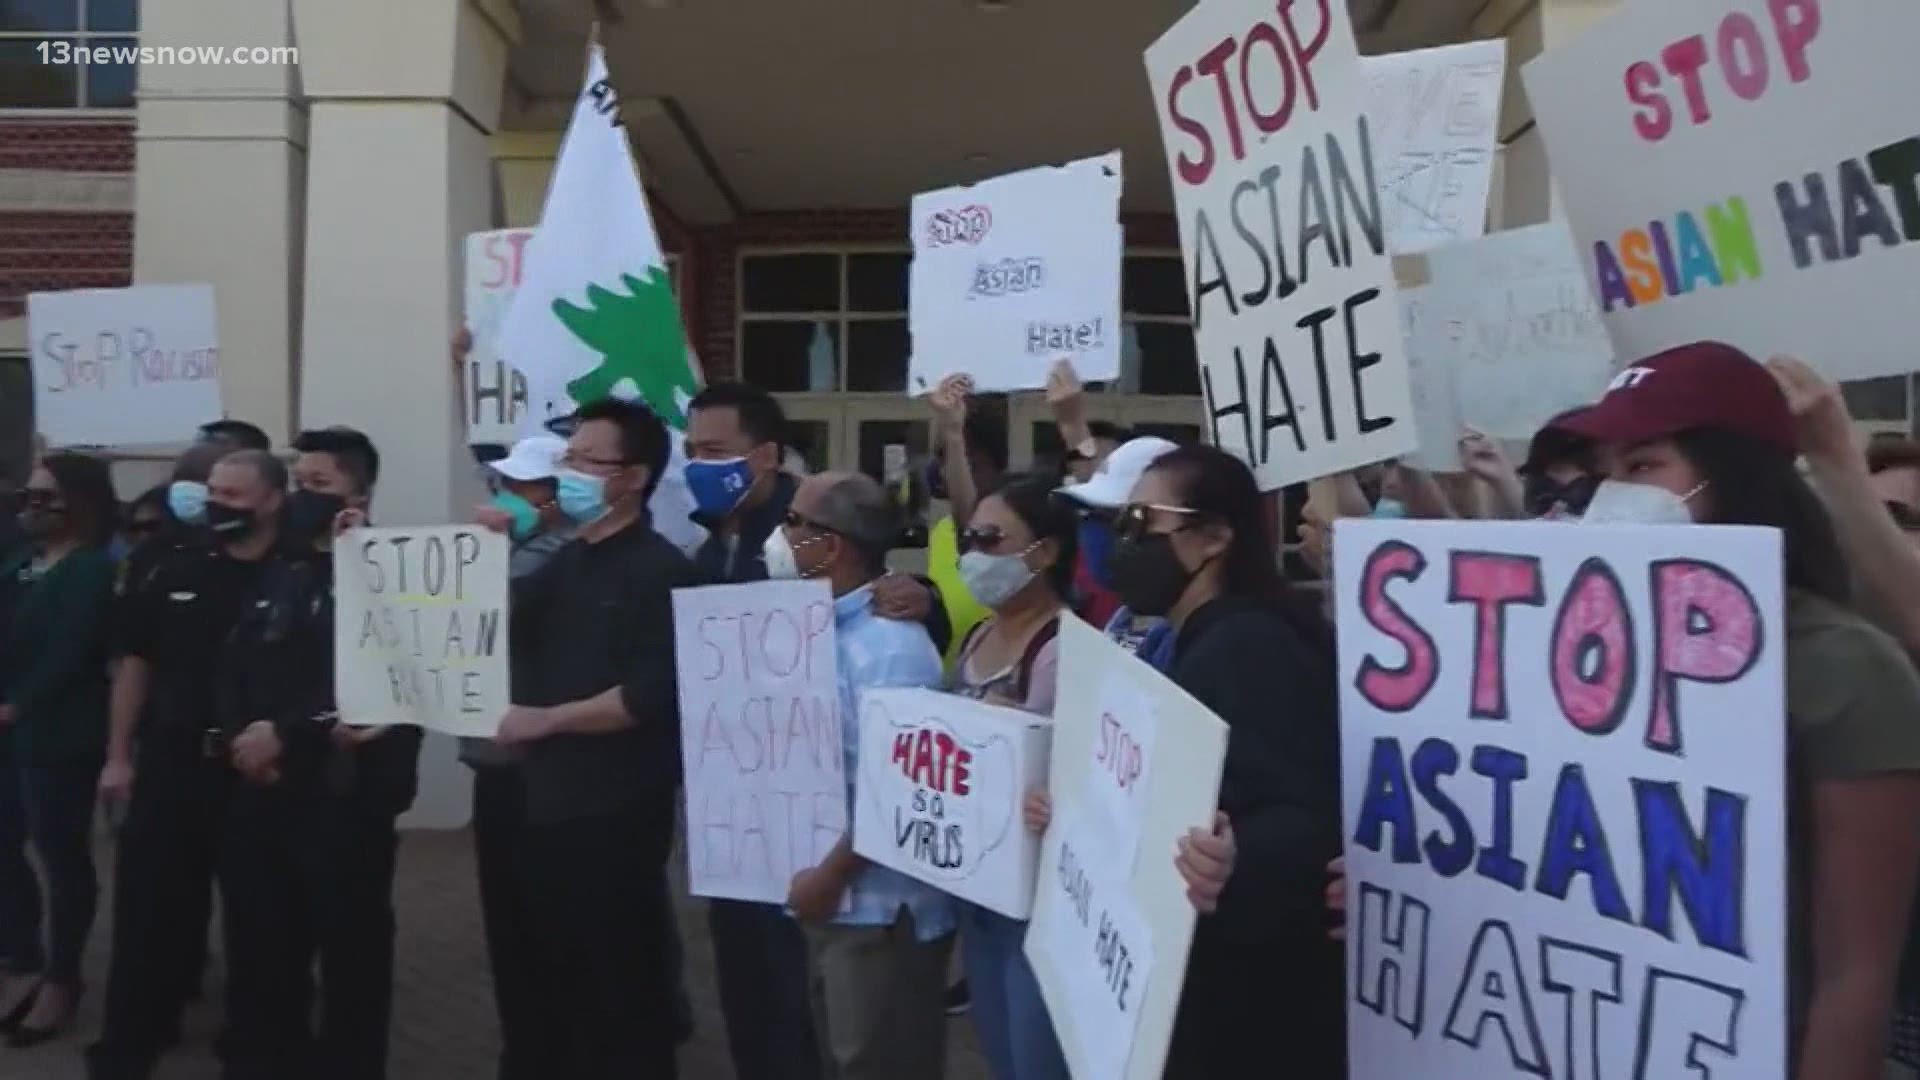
(420, 628)
(1014, 273)
(116, 367)
(1435, 116)
(495, 391)
(1730, 175)
(759, 734)
(1563, 772)
(1525, 341)
(1110, 931)
(1302, 369)
(1432, 342)
(938, 798)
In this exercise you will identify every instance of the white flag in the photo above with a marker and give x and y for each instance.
(596, 316)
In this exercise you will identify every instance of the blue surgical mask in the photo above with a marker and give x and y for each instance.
(187, 501)
(718, 486)
(583, 498)
(526, 519)
(1096, 546)
(1389, 508)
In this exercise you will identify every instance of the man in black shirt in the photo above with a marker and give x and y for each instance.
(174, 621)
(601, 727)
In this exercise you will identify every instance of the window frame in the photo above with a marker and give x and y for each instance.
(841, 319)
(81, 37)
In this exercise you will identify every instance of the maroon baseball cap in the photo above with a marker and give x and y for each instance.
(1708, 384)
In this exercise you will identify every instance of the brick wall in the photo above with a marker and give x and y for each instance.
(43, 250)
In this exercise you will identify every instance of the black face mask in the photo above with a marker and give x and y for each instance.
(230, 524)
(1148, 574)
(309, 514)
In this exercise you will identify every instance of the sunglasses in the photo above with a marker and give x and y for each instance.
(35, 499)
(141, 528)
(1575, 494)
(1903, 515)
(1135, 521)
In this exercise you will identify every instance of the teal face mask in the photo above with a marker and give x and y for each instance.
(526, 519)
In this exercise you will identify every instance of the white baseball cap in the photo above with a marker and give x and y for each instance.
(1112, 483)
(536, 457)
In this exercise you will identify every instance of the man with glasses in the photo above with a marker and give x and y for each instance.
(599, 723)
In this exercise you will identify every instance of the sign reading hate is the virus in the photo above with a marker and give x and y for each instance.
(938, 798)
(1302, 369)
(1013, 274)
(1564, 774)
(420, 628)
(1732, 173)
(759, 735)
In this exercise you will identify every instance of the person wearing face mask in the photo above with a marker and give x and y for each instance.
(53, 711)
(1194, 548)
(1704, 434)
(597, 719)
(879, 940)
(167, 762)
(1560, 473)
(1100, 498)
(1017, 556)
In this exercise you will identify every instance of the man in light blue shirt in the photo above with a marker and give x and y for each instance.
(879, 939)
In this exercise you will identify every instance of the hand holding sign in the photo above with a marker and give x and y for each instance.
(1205, 860)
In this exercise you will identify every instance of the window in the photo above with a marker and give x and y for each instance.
(1157, 356)
(34, 35)
(818, 322)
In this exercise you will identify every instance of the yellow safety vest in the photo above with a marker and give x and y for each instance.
(943, 566)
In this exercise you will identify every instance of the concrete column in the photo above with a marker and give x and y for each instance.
(403, 99)
(1524, 194)
(219, 188)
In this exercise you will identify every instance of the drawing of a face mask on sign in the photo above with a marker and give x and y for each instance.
(948, 801)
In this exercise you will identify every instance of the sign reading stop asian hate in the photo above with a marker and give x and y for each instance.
(942, 778)
(1564, 775)
(116, 367)
(1302, 368)
(420, 631)
(760, 735)
(495, 392)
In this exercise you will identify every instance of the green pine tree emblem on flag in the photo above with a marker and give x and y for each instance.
(639, 337)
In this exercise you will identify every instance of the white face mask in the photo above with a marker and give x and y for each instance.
(994, 579)
(1622, 502)
(782, 565)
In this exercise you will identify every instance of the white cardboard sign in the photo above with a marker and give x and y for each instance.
(759, 735)
(1564, 779)
(1730, 175)
(116, 367)
(1011, 274)
(1432, 338)
(1110, 934)
(1302, 368)
(420, 628)
(495, 392)
(1435, 115)
(941, 781)
(1526, 339)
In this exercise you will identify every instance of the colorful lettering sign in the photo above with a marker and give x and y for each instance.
(118, 367)
(1014, 273)
(420, 628)
(941, 782)
(1730, 175)
(1277, 187)
(1564, 774)
(759, 735)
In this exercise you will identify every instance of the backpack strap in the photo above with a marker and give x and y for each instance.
(1023, 675)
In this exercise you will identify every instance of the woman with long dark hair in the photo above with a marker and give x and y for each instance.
(1193, 547)
(1703, 434)
(53, 705)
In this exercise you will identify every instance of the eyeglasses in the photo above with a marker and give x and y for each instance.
(1903, 515)
(581, 462)
(797, 520)
(1135, 521)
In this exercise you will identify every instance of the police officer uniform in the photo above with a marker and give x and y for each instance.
(308, 867)
(174, 612)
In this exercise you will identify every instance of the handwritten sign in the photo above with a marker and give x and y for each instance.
(1523, 338)
(124, 366)
(1014, 273)
(1435, 116)
(1433, 342)
(941, 782)
(759, 734)
(1564, 779)
(1110, 935)
(1123, 754)
(420, 629)
(1730, 175)
(495, 391)
(1302, 369)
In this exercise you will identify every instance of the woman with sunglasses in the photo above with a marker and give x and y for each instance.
(1193, 547)
(1016, 560)
(1703, 434)
(53, 705)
